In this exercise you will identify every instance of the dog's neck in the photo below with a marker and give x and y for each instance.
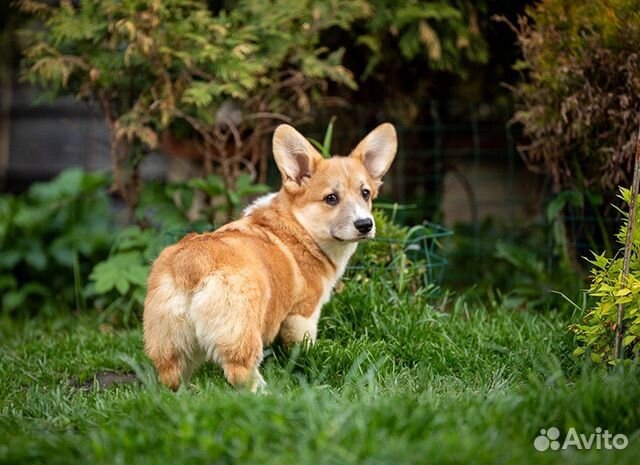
(339, 253)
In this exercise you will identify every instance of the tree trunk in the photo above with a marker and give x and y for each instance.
(126, 173)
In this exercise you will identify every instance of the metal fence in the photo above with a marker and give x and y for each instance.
(460, 167)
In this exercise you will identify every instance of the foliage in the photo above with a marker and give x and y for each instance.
(157, 66)
(234, 200)
(408, 258)
(165, 205)
(171, 205)
(596, 334)
(406, 49)
(118, 284)
(578, 105)
(49, 238)
(517, 267)
(446, 33)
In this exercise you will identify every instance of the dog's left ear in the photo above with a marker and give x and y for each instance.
(295, 157)
(377, 150)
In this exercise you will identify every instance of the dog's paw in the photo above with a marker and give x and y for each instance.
(259, 385)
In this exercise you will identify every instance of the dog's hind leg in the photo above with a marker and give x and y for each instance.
(296, 328)
(227, 316)
(169, 334)
(240, 364)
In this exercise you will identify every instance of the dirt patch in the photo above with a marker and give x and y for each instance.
(105, 380)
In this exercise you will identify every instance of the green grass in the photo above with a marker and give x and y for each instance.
(392, 380)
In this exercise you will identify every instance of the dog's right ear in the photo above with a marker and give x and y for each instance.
(295, 156)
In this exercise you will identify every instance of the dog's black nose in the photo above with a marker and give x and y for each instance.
(363, 225)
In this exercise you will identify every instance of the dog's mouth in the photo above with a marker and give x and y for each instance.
(359, 238)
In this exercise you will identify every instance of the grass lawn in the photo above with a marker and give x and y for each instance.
(392, 380)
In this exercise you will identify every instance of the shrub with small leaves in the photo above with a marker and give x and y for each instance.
(596, 334)
(223, 74)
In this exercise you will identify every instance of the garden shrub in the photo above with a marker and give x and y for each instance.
(218, 76)
(596, 334)
(118, 284)
(50, 238)
(578, 105)
(407, 258)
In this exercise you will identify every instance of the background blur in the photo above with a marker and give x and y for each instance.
(489, 147)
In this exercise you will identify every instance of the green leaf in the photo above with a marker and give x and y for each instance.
(121, 284)
(67, 184)
(61, 250)
(12, 300)
(328, 138)
(133, 238)
(9, 259)
(212, 185)
(568, 197)
(234, 198)
(136, 273)
(35, 256)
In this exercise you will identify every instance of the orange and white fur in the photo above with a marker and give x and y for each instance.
(223, 296)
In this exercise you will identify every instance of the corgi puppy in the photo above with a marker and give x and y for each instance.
(223, 296)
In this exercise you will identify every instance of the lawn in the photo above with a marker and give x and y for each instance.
(393, 379)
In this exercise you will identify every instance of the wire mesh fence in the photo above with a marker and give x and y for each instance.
(458, 169)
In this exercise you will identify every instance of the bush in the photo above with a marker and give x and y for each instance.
(50, 238)
(62, 245)
(579, 102)
(406, 258)
(178, 68)
(578, 105)
(597, 333)
(217, 76)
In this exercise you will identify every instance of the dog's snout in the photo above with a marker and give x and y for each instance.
(363, 225)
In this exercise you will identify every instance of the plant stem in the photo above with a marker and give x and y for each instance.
(627, 245)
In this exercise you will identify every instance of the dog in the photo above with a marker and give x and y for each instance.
(225, 295)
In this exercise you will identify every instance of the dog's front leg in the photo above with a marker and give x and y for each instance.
(297, 328)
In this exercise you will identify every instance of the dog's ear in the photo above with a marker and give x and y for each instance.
(295, 156)
(377, 150)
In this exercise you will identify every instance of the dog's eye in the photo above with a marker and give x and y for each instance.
(332, 199)
(366, 193)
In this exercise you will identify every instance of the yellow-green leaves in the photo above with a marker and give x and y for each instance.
(596, 335)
